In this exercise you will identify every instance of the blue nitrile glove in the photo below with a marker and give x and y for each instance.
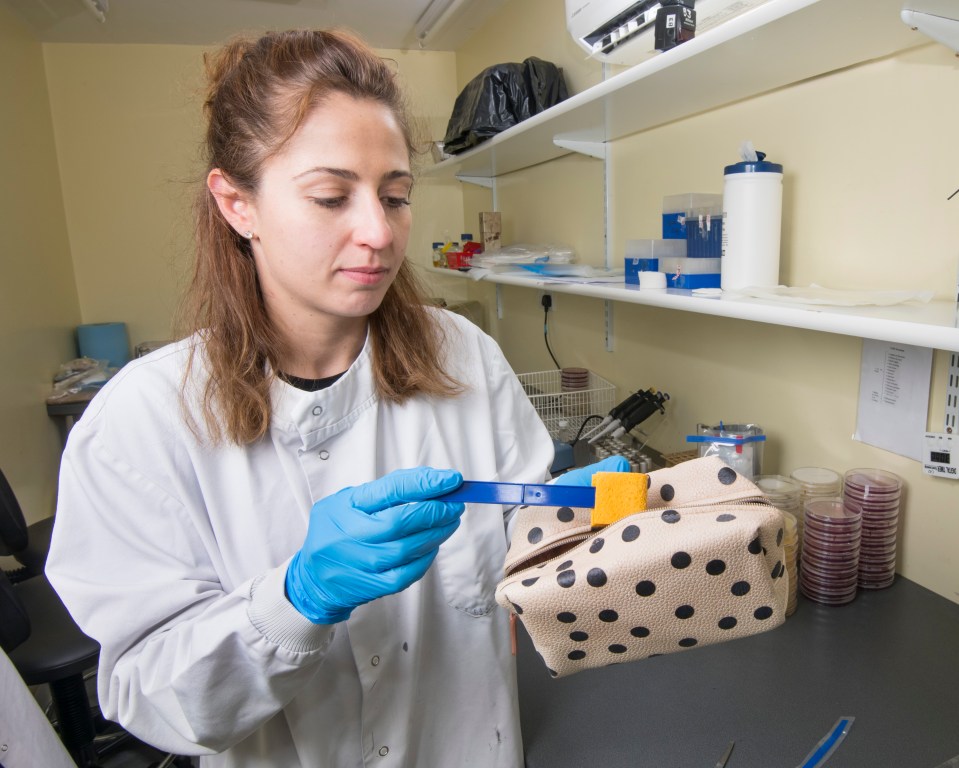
(371, 540)
(584, 475)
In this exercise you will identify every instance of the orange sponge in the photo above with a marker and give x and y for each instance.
(618, 494)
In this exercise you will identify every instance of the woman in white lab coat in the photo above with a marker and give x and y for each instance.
(243, 522)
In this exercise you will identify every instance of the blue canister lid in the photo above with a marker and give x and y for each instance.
(754, 166)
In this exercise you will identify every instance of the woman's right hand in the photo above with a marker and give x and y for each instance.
(370, 541)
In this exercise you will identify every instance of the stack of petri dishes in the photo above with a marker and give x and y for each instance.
(783, 493)
(791, 547)
(829, 570)
(815, 483)
(875, 495)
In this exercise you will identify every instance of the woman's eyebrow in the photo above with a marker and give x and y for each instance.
(341, 173)
(348, 175)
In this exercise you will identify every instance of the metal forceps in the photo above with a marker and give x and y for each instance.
(725, 758)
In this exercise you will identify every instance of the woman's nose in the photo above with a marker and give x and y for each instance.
(372, 226)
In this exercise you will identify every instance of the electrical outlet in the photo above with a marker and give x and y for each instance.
(548, 298)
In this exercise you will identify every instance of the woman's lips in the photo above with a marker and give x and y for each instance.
(366, 275)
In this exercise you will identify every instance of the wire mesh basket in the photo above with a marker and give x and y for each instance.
(554, 403)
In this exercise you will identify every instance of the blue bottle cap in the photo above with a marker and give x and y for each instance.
(754, 166)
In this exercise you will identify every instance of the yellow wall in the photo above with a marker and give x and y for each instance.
(870, 157)
(38, 299)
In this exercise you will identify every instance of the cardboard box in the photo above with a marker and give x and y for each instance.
(490, 230)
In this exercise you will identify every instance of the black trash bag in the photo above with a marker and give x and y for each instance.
(500, 97)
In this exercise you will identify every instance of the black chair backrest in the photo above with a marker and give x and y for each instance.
(14, 621)
(13, 526)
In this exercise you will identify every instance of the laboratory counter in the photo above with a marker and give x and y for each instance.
(890, 659)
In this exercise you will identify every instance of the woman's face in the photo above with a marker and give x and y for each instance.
(331, 217)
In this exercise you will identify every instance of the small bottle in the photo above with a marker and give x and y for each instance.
(564, 433)
(439, 258)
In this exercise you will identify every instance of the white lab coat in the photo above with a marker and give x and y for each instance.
(172, 555)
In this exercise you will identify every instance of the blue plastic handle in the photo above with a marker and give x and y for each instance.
(477, 492)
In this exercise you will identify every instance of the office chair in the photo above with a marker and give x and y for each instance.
(47, 648)
(28, 544)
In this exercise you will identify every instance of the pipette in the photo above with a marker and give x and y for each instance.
(647, 402)
(617, 412)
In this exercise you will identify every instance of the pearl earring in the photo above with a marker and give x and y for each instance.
(248, 235)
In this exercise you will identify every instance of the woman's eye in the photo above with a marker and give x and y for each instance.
(395, 202)
(330, 202)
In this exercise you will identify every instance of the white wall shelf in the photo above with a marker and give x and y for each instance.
(774, 45)
(932, 324)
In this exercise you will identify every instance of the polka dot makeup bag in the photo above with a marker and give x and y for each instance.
(704, 563)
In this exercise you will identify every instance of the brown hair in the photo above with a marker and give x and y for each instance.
(260, 92)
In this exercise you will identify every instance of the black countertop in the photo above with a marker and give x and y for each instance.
(890, 659)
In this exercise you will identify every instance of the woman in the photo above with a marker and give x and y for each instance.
(244, 520)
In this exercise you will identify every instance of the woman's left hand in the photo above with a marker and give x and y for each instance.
(584, 475)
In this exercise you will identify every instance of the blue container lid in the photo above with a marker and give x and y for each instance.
(754, 166)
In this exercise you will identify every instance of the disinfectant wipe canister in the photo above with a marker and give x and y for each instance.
(752, 219)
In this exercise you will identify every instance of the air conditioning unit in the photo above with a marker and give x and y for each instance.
(622, 31)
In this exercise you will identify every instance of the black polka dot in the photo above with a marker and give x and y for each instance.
(566, 617)
(688, 642)
(530, 582)
(763, 612)
(406, 647)
(727, 622)
(578, 636)
(681, 560)
(596, 545)
(639, 632)
(779, 537)
(564, 565)
(645, 588)
(565, 515)
(631, 533)
(667, 492)
(517, 608)
(608, 615)
(617, 649)
(566, 579)
(715, 567)
(535, 535)
(596, 577)
(725, 518)
(740, 588)
(685, 611)
(727, 476)
(777, 571)
(576, 655)
(670, 516)
(755, 547)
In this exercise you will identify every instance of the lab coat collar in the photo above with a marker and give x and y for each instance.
(318, 416)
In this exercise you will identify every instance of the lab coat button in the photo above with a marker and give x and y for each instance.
(384, 751)
(317, 410)
(375, 660)
(324, 455)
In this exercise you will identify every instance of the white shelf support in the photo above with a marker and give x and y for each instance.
(479, 181)
(595, 149)
(499, 301)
